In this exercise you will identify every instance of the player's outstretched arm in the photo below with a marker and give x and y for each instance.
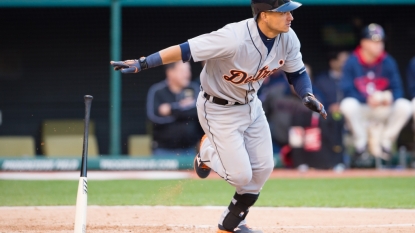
(165, 56)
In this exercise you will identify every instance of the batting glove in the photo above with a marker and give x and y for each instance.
(127, 67)
(313, 104)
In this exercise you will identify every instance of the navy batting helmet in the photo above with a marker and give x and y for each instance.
(373, 32)
(259, 6)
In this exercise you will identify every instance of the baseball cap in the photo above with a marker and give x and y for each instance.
(373, 32)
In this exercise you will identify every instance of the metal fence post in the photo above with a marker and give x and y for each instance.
(115, 80)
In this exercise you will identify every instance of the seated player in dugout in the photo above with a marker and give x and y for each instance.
(373, 104)
(237, 142)
(171, 107)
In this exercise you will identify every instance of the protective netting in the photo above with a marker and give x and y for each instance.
(51, 57)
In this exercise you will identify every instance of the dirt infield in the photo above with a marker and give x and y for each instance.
(203, 219)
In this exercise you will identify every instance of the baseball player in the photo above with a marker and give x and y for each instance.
(237, 142)
(374, 107)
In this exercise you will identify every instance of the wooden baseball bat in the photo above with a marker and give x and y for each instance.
(82, 196)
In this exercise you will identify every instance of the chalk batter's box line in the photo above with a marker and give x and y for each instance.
(403, 225)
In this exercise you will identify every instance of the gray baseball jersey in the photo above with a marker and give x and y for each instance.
(238, 145)
(237, 60)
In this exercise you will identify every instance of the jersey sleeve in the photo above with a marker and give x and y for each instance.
(220, 44)
(294, 60)
(395, 79)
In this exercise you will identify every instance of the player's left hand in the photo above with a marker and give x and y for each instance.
(127, 67)
(312, 103)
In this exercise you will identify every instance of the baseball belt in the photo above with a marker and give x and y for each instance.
(219, 101)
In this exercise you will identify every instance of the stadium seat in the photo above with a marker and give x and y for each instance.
(139, 145)
(17, 146)
(65, 138)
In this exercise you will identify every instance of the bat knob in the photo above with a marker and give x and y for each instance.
(88, 97)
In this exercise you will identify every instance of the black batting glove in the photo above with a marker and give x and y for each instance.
(127, 67)
(313, 104)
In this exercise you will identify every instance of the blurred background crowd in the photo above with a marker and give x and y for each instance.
(362, 67)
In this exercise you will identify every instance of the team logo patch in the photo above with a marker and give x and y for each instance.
(241, 77)
(367, 85)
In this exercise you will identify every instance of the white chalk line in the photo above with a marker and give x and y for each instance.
(402, 225)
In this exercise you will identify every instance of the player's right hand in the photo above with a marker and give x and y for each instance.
(127, 67)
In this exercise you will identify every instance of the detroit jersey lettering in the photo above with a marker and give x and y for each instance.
(241, 77)
(237, 60)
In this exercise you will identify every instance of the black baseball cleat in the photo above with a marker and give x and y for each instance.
(201, 169)
(239, 229)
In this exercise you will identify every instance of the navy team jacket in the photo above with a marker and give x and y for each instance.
(361, 80)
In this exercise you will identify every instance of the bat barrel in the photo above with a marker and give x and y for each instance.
(88, 103)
